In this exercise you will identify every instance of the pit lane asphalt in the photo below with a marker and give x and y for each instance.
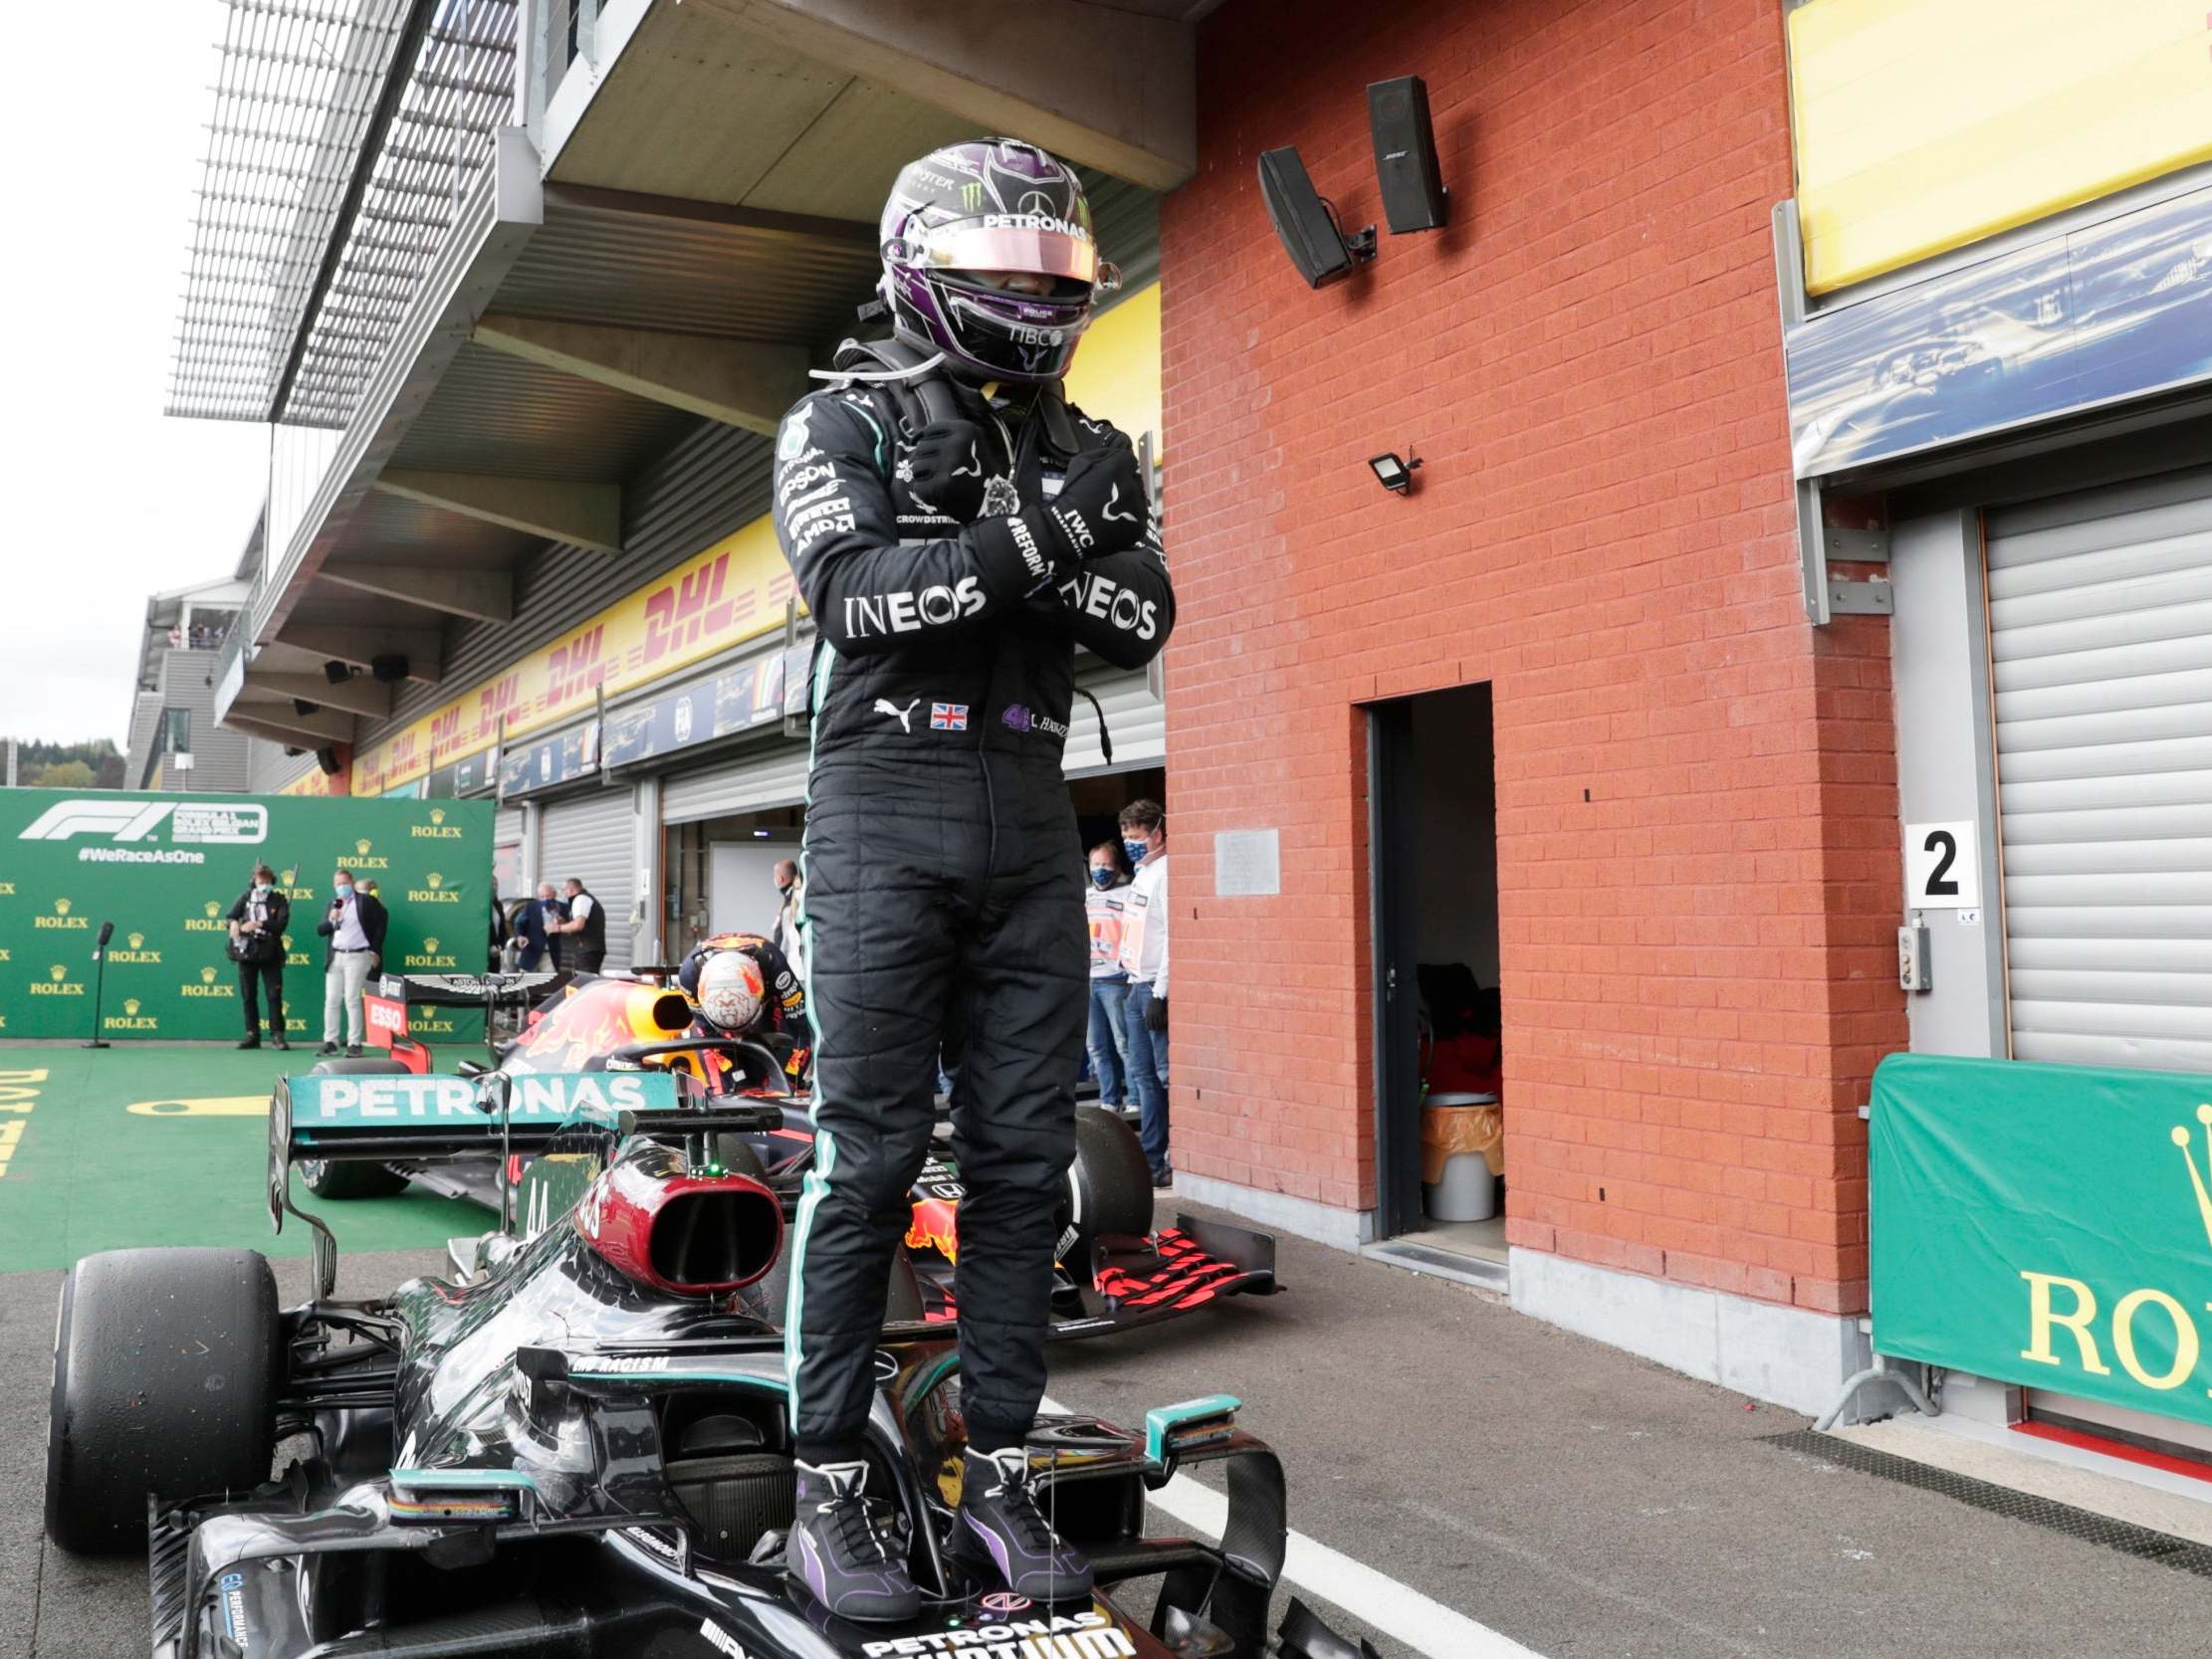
(1568, 1496)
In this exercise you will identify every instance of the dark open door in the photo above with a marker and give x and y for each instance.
(1393, 804)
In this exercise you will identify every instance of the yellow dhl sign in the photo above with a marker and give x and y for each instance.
(315, 781)
(732, 592)
(1925, 125)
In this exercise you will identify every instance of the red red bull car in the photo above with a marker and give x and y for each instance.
(1116, 1266)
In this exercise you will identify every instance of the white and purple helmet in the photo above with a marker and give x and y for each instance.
(991, 204)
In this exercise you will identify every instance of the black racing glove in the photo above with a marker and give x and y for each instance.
(1101, 506)
(1100, 510)
(1156, 1014)
(944, 467)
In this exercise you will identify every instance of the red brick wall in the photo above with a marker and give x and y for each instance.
(1696, 967)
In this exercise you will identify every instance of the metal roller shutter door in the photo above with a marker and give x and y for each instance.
(742, 783)
(2101, 664)
(506, 827)
(1137, 719)
(594, 838)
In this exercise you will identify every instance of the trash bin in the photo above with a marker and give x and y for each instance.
(1461, 1139)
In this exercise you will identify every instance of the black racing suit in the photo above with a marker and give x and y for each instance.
(941, 906)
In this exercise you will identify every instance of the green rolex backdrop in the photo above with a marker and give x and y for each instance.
(166, 868)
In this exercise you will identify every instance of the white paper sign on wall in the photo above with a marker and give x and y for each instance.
(1247, 863)
(1941, 869)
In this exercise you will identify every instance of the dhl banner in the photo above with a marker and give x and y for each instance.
(2046, 1225)
(315, 784)
(166, 870)
(732, 592)
(1925, 125)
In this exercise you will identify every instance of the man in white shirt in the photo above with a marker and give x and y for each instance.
(587, 927)
(1103, 903)
(1143, 957)
(786, 938)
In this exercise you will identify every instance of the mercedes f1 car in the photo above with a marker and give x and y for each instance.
(576, 1444)
(1116, 1267)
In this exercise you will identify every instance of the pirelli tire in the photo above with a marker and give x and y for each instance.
(1109, 1184)
(165, 1378)
(341, 1181)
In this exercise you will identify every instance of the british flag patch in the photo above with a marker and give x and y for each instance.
(948, 716)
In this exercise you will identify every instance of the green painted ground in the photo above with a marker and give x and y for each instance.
(164, 1144)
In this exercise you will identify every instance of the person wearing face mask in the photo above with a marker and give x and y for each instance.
(258, 920)
(1143, 957)
(786, 936)
(355, 926)
(1105, 902)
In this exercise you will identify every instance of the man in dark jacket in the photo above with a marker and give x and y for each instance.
(355, 926)
(957, 529)
(258, 920)
(533, 922)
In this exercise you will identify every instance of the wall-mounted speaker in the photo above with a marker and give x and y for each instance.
(327, 759)
(1308, 231)
(1405, 155)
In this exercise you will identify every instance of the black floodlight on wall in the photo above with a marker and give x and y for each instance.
(300, 706)
(327, 759)
(1305, 223)
(1392, 474)
(337, 673)
(388, 668)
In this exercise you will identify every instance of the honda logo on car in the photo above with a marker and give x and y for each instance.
(1063, 1636)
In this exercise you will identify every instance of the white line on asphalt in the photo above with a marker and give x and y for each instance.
(1395, 1611)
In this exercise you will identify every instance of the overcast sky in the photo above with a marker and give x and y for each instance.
(107, 499)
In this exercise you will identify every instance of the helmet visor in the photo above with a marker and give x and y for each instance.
(1012, 242)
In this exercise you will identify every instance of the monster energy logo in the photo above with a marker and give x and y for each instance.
(971, 197)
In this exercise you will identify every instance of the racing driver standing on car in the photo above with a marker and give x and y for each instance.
(957, 529)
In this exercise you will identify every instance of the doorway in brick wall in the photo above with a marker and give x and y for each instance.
(1438, 1110)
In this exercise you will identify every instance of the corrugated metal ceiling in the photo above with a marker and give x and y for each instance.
(688, 273)
(493, 413)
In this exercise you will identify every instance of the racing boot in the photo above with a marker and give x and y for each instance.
(1001, 1525)
(846, 1550)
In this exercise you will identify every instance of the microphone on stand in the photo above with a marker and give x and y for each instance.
(100, 982)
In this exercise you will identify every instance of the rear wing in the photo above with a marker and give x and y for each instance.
(472, 990)
(405, 1119)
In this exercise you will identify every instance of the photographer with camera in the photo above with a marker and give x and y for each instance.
(258, 920)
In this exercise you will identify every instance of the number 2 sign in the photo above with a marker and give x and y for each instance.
(1940, 867)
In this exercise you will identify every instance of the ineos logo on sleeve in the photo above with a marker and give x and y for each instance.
(1105, 598)
(904, 612)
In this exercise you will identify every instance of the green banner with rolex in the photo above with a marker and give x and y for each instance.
(2046, 1225)
(166, 870)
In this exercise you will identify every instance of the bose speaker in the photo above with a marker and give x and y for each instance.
(1309, 235)
(1405, 155)
(327, 759)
